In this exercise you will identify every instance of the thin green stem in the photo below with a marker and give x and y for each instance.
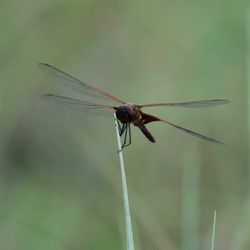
(248, 83)
(213, 232)
(127, 217)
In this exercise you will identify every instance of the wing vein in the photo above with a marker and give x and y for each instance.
(75, 84)
(191, 104)
(81, 105)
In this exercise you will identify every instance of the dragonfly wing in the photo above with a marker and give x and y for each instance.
(206, 138)
(77, 85)
(191, 104)
(81, 105)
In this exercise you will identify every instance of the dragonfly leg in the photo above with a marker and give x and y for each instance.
(123, 128)
(125, 136)
(129, 134)
(119, 126)
(125, 144)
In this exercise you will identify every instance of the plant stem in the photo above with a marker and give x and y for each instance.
(213, 232)
(129, 232)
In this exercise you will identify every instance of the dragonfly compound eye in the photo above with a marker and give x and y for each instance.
(123, 114)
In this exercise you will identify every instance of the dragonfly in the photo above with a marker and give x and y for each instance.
(125, 113)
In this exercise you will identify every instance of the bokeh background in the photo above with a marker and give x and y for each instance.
(60, 178)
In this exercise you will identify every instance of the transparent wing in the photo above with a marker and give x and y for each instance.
(206, 138)
(81, 105)
(192, 104)
(77, 85)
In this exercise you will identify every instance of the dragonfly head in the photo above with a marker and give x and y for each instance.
(124, 114)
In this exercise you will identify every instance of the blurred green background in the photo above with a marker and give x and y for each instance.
(60, 178)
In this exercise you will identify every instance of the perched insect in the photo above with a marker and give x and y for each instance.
(126, 113)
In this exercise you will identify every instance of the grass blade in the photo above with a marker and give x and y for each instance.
(127, 217)
(213, 232)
